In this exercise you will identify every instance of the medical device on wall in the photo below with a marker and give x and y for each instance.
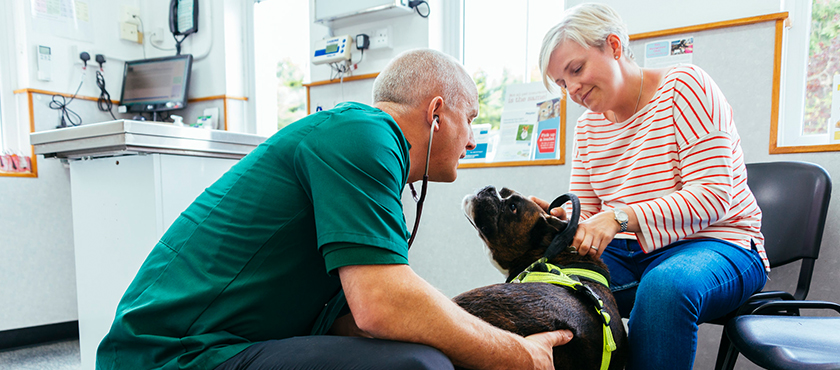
(183, 17)
(44, 62)
(332, 49)
(183, 20)
(156, 85)
(340, 13)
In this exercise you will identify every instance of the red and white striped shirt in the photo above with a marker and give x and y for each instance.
(677, 163)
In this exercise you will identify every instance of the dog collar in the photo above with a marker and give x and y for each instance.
(563, 239)
(544, 272)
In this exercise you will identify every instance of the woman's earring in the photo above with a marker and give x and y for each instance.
(616, 57)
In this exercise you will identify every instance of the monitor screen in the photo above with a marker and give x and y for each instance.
(154, 85)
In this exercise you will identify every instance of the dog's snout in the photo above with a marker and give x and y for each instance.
(488, 190)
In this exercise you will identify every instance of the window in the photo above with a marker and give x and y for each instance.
(823, 65)
(281, 58)
(812, 60)
(501, 47)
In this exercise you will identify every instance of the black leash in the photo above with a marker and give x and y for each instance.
(564, 238)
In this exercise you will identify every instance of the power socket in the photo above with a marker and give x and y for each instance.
(128, 31)
(128, 14)
(157, 36)
(381, 38)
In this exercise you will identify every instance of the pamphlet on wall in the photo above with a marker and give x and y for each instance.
(667, 53)
(516, 135)
(526, 107)
(548, 134)
(485, 144)
(834, 121)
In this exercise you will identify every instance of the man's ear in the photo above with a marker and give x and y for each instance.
(434, 111)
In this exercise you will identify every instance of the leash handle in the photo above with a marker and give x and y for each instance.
(564, 238)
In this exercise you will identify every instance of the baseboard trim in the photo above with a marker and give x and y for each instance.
(38, 334)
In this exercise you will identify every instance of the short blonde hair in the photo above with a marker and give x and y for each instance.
(419, 74)
(587, 24)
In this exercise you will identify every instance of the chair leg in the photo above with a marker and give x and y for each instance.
(727, 354)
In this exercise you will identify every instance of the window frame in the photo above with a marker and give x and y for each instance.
(787, 137)
(461, 51)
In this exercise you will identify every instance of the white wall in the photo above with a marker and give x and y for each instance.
(36, 247)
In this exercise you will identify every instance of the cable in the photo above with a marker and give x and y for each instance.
(142, 33)
(104, 102)
(415, 4)
(178, 43)
(160, 48)
(66, 115)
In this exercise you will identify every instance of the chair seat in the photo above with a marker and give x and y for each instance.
(775, 342)
(751, 305)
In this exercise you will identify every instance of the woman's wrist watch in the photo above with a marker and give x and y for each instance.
(622, 219)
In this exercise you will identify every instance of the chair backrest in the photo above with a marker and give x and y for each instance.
(793, 197)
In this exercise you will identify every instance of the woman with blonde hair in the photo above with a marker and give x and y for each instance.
(658, 166)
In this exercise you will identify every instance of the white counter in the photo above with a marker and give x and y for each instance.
(129, 181)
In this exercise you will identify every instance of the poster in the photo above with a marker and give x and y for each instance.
(64, 18)
(529, 115)
(667, 53)
(834, 121)
(485, 143)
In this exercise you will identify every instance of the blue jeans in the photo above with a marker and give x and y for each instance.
(669, 292)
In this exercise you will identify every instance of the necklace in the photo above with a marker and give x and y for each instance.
(637, 99)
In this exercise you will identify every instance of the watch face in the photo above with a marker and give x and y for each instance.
(621, 216)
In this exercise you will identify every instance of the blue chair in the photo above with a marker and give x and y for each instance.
(793, 197)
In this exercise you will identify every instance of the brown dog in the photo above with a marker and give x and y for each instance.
(518, 232)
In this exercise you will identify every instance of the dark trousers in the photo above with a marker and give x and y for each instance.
(332, 352)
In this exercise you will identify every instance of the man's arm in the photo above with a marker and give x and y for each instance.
(392, 302)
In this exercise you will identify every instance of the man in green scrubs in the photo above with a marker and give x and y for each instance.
(302, 244)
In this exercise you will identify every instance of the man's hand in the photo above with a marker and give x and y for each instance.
(392, 302)
(558, 212)
(542, 351)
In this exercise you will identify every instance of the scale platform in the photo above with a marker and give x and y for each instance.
(128, 137)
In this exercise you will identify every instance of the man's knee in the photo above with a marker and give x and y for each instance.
(418, 357)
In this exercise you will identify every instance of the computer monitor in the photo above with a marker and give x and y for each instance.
(156, 85)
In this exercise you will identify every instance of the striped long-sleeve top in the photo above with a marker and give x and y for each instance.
(677, 163)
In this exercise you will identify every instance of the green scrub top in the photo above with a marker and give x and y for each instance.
(254, 257)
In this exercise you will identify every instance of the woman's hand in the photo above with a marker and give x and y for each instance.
(558, 212)
(595, 233)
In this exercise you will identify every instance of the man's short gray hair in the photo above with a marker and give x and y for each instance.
(416, 75)
(587, 24)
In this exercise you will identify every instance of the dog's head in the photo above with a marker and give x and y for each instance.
(516, 230)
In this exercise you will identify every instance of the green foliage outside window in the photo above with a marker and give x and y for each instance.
(491, 95)
(823, 64)
(291, 94)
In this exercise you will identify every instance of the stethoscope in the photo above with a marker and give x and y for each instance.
(422, 198)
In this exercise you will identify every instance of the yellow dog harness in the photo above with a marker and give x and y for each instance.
(544, 272)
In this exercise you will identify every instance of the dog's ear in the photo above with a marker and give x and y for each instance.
(545, 229)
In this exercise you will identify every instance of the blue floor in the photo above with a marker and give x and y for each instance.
(62, 355)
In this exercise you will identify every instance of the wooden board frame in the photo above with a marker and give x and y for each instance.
(781, 19)
(31, 109)
(538, 162)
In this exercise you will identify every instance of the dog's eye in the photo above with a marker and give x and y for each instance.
(512, 207)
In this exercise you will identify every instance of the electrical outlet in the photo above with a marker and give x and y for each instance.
(157, 36)
(128, 13)
(381, 38)
(128, 31)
